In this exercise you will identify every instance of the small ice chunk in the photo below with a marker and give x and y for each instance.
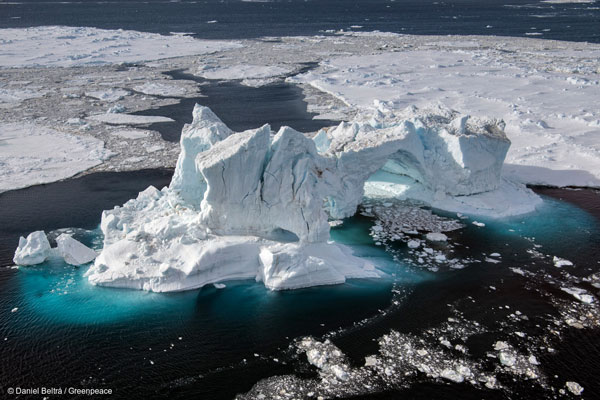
(579, 294)
(452, 375)
(414, 244)
(74, 252)
(370, 361)
(561, 262)
(574, 388)
(492, 260)
(33, 250)
(436, 237)
(479, 224)
(507, 358)
(219, 285)
(501, 345)
(15, 309)
(495, 255)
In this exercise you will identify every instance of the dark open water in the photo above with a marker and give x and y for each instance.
(248, 19)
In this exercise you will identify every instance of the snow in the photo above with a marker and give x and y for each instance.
(32, 154)
(73, 251)
(64, 46)
(550, 123)
(128, 119)
(33, 250)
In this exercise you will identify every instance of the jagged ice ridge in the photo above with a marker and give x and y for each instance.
(256, 204)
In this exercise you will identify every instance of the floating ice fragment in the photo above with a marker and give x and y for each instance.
(561, 262)
(414, 244)
(574, 388)
(33, 250)
(436, 237)
(479, 224)
(579, 294)
(73, 251)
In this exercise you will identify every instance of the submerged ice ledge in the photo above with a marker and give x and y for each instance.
(256, 204)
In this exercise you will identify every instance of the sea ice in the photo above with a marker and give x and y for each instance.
(65, 46)
(128, 119)
(32, 154)
(548, 120)
(33, 250)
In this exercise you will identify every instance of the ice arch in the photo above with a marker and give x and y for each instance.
(233, 192)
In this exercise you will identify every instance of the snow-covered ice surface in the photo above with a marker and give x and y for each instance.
(251, 75)
(31, 154)
(128, 119)
(64, 46)
(544, 91)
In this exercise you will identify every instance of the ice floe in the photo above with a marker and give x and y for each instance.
(65, 46)
(33, 154)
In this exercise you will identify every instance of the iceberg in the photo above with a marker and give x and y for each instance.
(36, 249)
(33, 250)
(73, 251)
(256, 204)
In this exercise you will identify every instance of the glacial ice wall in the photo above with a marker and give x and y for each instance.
(256, 204)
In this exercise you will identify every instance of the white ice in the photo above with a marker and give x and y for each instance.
(128, 119)
(109, 95)
(65, 46)
(73, 251)
(251, 75)
(161, 89)
(31, 154)
(33, 250)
